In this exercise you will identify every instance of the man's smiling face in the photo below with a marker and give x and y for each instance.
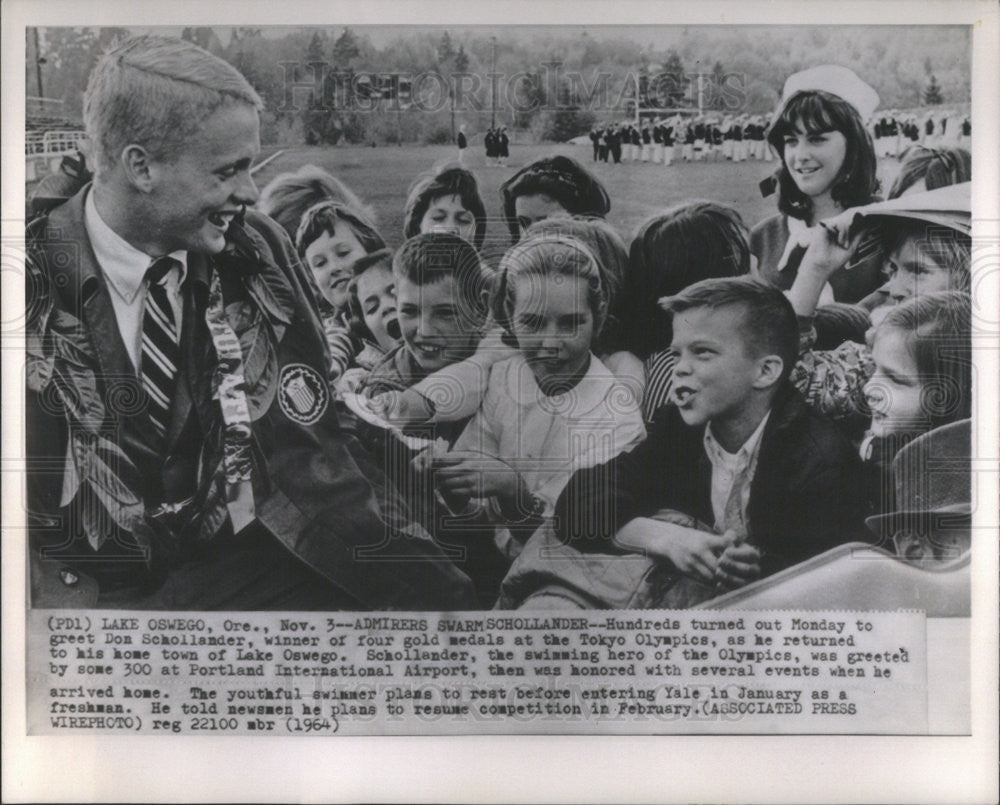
(196, 193)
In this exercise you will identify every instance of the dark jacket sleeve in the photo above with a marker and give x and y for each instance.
(599, 500)
(330, 501)
(819, 502)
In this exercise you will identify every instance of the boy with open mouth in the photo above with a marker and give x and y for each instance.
(740, 450)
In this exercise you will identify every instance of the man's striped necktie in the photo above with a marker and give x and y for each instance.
(160, 351)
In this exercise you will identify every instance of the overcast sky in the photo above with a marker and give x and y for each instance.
(643, 35)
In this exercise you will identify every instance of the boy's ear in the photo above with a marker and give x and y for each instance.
(769, 369)
(137, 164)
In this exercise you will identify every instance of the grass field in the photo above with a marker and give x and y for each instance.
(381, 177)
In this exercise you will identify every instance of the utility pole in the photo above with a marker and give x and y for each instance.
(701, 96)
(493, 83)
(38, 63)
(636, 122)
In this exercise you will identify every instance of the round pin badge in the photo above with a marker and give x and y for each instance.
(302, 393)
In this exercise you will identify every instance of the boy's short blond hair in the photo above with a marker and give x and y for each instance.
(156, 91)
(767, 323)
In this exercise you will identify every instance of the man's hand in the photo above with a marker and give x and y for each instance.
(738, 565)
(467, 474)
(694, 553)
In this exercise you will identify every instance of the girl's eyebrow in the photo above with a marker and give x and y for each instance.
(896, 375)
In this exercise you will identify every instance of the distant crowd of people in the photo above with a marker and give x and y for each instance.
(736, 138)
(893, 131)
(701, 138)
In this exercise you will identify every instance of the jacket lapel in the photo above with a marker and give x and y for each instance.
(703, 496)
(770, 476)
(83, 291)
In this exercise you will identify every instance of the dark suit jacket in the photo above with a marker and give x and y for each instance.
(805, 497)
(316, 489)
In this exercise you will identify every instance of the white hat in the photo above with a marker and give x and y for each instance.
(837, 80)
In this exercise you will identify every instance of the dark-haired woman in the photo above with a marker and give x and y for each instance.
(446, 200)
(827, 165)
(553, 186)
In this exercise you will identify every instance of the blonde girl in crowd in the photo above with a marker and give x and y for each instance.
(288, 195)
(515, 456)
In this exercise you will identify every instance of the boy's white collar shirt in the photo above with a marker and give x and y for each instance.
(732, 476)
(124, 267)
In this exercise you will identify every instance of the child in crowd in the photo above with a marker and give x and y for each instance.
(550, 409)
(418, 405)
(442, 299)
(371, 314)
(330, 238)
(739, 450)
(553, 186)
(288, 195)
(609, 248)
(915, 379)
(920, 259)
(930, 168)
(693, 241)
(922, 378)
(923, 170)
(446, 200)
(827, 165)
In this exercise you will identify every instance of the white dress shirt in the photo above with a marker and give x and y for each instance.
(732, 474)
(124, 268)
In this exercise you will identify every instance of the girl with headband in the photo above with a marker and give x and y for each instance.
(550, 187)
(525, 441)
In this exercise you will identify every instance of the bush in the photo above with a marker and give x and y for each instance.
(560, 125)
(278, 129)
(438, 134)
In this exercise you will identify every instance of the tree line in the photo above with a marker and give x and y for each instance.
(331, 85)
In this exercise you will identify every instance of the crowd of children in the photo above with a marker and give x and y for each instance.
(602, 422)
